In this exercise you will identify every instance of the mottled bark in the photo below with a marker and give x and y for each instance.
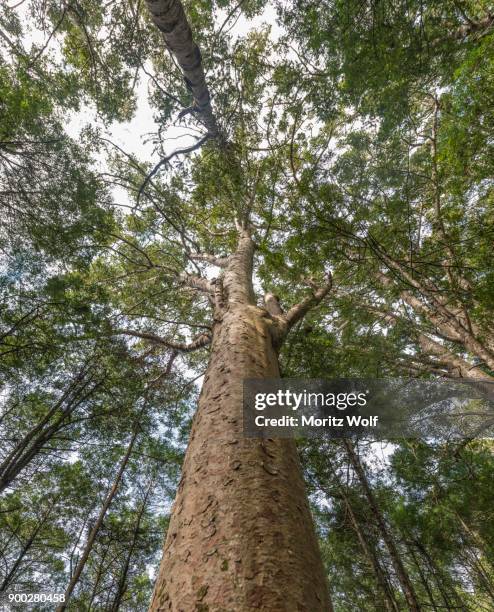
(241, 535)
(169, 17)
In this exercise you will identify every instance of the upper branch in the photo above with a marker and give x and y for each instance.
(196, 282)
(197, 145)
(169, 17)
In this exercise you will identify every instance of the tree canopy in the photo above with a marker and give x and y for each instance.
(358, 139)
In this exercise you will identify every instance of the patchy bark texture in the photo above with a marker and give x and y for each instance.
(241, 535)
(169, 17)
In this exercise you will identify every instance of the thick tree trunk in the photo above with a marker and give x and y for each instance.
(400, 570)
(241, 535)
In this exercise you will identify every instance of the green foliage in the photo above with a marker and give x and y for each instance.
(343, 135)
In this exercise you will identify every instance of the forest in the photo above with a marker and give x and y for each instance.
(201, 192)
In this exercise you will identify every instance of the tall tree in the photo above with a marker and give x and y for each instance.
(249, 562)
(358, 141)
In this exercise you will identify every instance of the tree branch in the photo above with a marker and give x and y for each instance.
(198, 342)
(221, 262)
(165, 160)
(169, 17)
(454, 363)
(272, 304)
(196, 282)
(298, 312)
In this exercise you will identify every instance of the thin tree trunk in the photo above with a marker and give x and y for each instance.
(476, 565)
(371, 556)
(423, 577)
(94, 531)
(99, 573)
(39, 436)
(400, 570)
(438, 577)
(25, 549)
(241, 535)
(367, 546)
(74, 548)
(122, 583)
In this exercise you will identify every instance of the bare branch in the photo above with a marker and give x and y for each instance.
(454, 363)
(447, 319)
(198, 342)
(298, 312)
(221, 262)
(196, 282)
(53, 32)
(165, 160)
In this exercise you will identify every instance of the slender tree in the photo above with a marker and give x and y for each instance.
(93, 533)
(401, 572)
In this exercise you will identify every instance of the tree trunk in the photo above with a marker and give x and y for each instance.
(438, 576)
(423, 577)
(99, 574)
(366, 544)
(241, 535)
(122, 582)
(371, 556)
(400, 570)
(37, 438)
(169, 17)
(25, 549)
(101, 516)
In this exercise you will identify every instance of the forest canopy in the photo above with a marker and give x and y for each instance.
(326, 169)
